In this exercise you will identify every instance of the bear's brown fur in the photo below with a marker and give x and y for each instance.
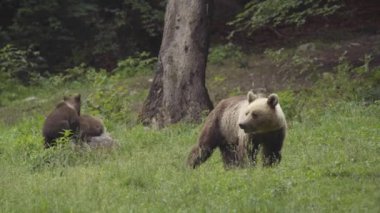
(65, 116)
(238, 127)
(90, 127)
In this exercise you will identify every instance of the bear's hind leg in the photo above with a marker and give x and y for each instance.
(208, 141)
(198, 155)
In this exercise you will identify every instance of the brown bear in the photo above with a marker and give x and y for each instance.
(90, 127)
(94, 135)
(238, 126)
(65, 116)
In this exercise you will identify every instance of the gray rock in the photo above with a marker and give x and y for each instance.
(102, 141)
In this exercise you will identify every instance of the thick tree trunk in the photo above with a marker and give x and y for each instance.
(178, 91)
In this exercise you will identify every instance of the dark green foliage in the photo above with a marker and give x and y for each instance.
(22, 65)
(272, 13)
(112, 97)
(220, 54)
(141, 63)
(18, 68)
(95, 32)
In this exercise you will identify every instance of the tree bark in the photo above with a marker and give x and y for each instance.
(178, 91)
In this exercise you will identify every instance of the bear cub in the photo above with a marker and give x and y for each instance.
(94, 134)
(239, 127)
(90, 127)
(65, 116)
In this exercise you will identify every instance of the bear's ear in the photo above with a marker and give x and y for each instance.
(77, 98)
(251, 97)
(272, 100)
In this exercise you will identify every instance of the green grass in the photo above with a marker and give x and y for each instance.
(331, 157)
(331, 163)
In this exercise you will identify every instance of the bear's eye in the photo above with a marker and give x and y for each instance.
(246, 113)
(254, 115)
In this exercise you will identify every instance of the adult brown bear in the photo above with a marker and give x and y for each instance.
(65, 116)
(239, 126)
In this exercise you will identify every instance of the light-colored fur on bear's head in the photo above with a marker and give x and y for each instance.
(263, 114)
(73, 102)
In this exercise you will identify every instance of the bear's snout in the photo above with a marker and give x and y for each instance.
(242, 126)
(247, 127)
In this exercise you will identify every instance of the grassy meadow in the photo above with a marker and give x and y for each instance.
(331, 157)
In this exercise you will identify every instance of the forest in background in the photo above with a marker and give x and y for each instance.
(325, 69)
(51, 36)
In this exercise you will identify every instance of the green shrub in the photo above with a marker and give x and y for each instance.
(219, 54)
(142, 63)
(72, 32)
(9, 89)
(279, 56)
(292, 60)
(18, 69)
(111, 96)
(346, 83)
(272, 13)
(22, 65)
(112, 99)
(108, 97)
(370, 80)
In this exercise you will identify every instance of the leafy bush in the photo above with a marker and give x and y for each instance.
(18, 68)
(111, 97)
(219, 54)
(346, 83)
(22, 65)
(97, 32)
(141, 63)
(7, 88)
(107, 97)
(292, 60)
(272, 13)
(279, 56)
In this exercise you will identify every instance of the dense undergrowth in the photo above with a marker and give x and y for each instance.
(331, 158)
